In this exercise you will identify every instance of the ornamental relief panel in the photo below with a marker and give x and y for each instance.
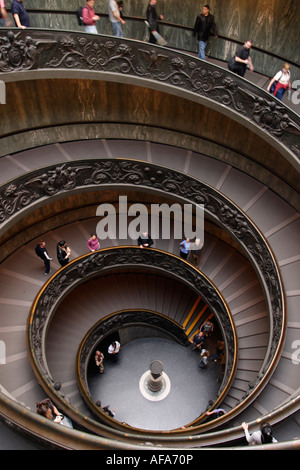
(74, 51)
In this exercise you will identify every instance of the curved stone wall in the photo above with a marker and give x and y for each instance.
(108, 110)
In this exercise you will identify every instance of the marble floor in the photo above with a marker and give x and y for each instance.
(186, 391)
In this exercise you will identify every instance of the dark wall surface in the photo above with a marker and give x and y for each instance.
(273, 25)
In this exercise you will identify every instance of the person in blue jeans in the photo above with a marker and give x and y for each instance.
(205, 23)
(281, 82)
(115, 18)
(89, 17)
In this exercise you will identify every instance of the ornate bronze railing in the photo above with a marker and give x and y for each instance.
(35, 188)
(154, 67)
(53, 51)
(122, 319)
(91, 265)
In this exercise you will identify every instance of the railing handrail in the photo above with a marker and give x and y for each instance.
(149, 175)
(58, 11)
(53, 51)
(106, 260)
(129, 317)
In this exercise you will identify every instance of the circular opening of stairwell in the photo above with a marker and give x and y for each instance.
(183, 395)
(83, 282)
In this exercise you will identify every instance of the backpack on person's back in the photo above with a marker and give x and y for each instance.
(78, 14)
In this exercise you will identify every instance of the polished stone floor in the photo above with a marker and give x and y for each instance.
(190, 388)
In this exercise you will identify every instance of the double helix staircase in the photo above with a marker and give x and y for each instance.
(225, 151)
(22, 277)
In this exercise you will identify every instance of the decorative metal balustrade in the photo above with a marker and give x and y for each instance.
(35, 188)
(100, 262)
(51, 51)
(46, 50)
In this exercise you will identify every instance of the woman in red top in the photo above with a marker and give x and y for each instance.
(89, 18)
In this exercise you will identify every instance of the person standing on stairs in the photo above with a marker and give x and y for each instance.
(63, 253)
(113, 350)
(241, 60)
(4, 18)
(42, 253)
(115, 18)
(205, 23)
(99, 358)
(93, 243)
(263, 436)
(153, 24)
(207, 328)
(89, 17)
(20, 15)
(198, 340)
(145, 240)
(185, 247)
(196, 252)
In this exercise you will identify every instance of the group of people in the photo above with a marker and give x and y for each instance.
(241, 61)
(48, 410)
(113, 352)
(115, 14)
(264, 435)
(204, 27)
(63, 251)
(205, 22)
(199, 343)
(191, 251)
(89, 17)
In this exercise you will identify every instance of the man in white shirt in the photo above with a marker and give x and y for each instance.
(115, 18)
(113, 350)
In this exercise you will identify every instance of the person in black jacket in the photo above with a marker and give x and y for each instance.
(239, 63)
(42, 253)
(152, 20)
(63, 253)
(205, 23)
(145, 240)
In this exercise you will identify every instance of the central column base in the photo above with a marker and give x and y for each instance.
(155, 380)
(162, 393)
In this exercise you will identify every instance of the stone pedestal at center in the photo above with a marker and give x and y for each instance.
(155, 379)
(154, 384)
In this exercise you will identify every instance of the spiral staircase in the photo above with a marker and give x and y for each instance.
(250, 259)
